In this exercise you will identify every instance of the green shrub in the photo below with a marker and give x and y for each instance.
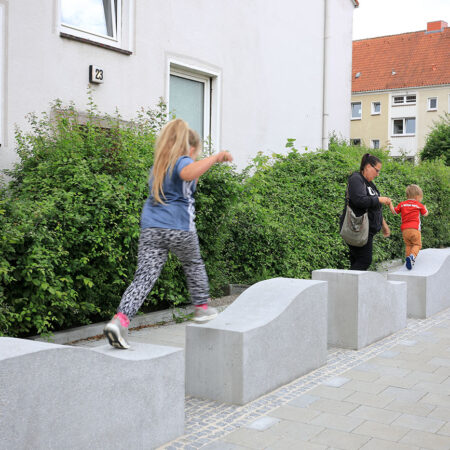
(286, 223)
(69, 217)
(437, 144)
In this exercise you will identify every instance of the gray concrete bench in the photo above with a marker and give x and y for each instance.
(363, 307)
(273, 333)
(61, 397)
(428, 282)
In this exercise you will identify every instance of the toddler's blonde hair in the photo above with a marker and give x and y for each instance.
(413, 191)
(175, 140)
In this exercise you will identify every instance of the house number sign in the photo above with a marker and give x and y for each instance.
(96, 74)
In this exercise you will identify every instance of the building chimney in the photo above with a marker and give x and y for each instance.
(436, 27)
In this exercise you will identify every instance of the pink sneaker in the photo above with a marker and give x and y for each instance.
(204, 313)
(116, 331)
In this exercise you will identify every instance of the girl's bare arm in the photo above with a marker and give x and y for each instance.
(198, 168)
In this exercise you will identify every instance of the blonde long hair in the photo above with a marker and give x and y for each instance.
(175, 140)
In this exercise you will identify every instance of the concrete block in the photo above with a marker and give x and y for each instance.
(273, 333)
(54, 396)
(428, 282)
(363, 307)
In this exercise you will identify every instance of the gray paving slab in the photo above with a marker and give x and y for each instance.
(401, 404)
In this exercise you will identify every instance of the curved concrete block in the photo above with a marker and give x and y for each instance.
(428, 282)
(273, 333)
(61, 397)
(363, 307)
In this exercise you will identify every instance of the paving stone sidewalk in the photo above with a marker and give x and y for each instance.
(394, 394)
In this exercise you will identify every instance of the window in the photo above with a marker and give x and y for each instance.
(376, 108)
(356, 110)
(93, 16)
(99, 22)
(355, 141)
(404, 99)
(375, 143)
(189, 99)
(432, 103)
(406, 126)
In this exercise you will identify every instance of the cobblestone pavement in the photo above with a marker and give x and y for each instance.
(394, 394)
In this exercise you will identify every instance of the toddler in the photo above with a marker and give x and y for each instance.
(410, 210)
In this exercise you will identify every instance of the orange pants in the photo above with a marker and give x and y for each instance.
(413, 241)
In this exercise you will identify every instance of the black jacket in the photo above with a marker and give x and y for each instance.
(363, 197)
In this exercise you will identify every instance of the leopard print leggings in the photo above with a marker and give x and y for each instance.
(154, 246)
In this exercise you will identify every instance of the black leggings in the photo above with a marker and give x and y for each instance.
(154, 246)
(361, 257)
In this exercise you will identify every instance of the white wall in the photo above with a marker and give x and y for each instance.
(338, 69)
(269, 55)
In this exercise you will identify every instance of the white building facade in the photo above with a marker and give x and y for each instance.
(249, 74)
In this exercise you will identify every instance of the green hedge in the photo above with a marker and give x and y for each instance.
(69, 217)
(286, 223)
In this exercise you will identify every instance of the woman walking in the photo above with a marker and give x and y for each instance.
(364, 196)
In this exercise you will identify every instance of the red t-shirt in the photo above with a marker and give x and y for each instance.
(411, 211)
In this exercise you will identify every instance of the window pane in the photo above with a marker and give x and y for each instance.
(376, 107)
(376, 143)
(186, 100)
(399, 99)
(356, 110)
(95, 16)
(410, 99)
(433, 103)
(411, 125)
(398, 126)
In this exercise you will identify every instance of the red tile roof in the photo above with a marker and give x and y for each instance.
(401, 61)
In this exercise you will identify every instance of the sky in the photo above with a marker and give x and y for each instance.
(383, 17)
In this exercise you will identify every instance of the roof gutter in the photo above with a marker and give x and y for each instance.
(401, 88)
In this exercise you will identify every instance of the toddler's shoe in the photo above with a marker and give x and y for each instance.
(410, 262)
(204, 313)
(116, 331)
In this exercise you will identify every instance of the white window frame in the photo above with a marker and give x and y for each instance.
(404, 100)
(404, 126)
(429, 104)
(123, 27)
(372, 143)
(206, 95)
(351, 111)
(375, 113)
(195, 70)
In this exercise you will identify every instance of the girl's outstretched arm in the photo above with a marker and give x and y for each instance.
(198, 168)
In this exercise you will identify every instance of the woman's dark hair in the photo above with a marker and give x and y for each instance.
(368, 159)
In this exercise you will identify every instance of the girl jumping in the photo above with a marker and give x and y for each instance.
(167, 223)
